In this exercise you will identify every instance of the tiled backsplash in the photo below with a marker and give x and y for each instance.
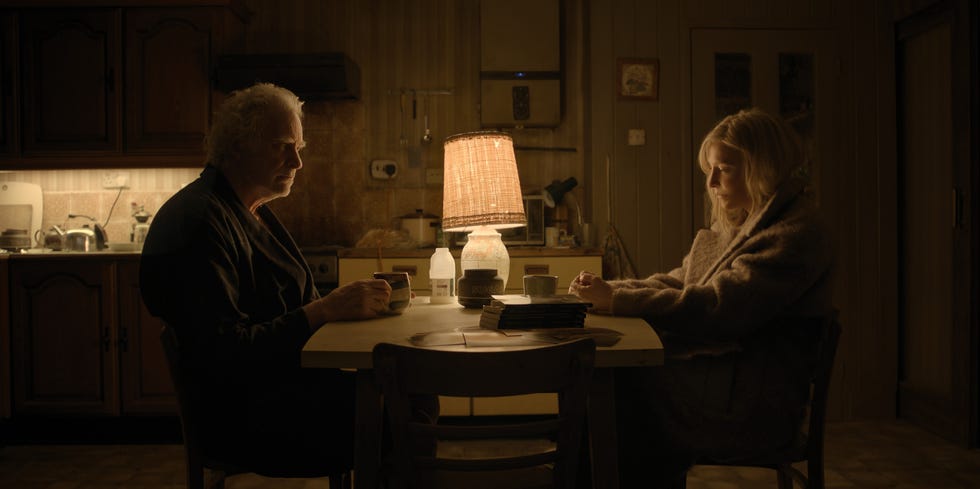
(80, 192)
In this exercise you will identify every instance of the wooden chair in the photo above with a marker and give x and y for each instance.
(405, 372)
(808, 446)
(195, 459)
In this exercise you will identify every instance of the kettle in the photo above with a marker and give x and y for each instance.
(53, 239)
(85, 238)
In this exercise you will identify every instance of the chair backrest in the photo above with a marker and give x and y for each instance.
(818, 403)
(192, 443)
(405, 373)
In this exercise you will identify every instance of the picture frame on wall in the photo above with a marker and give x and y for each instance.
(638, 78)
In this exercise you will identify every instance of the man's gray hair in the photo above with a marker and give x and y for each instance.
(243, 120)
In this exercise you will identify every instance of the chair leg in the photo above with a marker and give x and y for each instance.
(784, 479)
(340, 481)
(215, 479)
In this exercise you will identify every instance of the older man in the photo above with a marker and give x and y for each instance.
(220, 268)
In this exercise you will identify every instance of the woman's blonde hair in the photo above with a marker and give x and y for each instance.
(770, 149)
(243, 120)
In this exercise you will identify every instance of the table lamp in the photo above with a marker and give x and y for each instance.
(482, 193)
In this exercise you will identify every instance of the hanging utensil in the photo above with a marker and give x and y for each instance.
(427, 137)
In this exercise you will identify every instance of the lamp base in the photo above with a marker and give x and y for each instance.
(485, 249)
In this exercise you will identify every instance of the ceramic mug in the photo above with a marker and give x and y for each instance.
(401, 290)
(540, 285)
(551, 236)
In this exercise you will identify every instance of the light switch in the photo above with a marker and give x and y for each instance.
(636, 137)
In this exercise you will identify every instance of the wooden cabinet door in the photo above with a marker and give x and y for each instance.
(8, 56)
(63, 347)
(168, 85)
(69, 62)
(145, 379)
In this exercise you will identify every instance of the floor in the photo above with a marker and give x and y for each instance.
(859, 455)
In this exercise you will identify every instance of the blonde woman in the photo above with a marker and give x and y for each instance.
(738, 318)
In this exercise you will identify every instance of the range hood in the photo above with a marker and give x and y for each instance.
(314, 76)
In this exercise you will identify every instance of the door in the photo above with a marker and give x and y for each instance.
(145, 378)
(168, 78)
(791, 73)
(938, 343)
(71, 89)
(63, 348)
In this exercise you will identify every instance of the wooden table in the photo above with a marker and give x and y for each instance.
(350, 344)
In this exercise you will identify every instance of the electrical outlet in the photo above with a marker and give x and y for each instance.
(636, 137)
(384, 169)
(115, 179)
(433, 176)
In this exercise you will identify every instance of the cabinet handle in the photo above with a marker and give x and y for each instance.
(410, 269)
(530, 269)
(957, 208)
(124, 340)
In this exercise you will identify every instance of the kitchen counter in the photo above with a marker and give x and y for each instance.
(70, 255)
(513, 251)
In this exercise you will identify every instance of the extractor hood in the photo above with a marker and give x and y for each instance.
(314, 76)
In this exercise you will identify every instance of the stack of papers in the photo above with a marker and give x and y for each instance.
(526, 312)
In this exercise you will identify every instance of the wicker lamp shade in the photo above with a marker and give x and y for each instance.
(481, 186)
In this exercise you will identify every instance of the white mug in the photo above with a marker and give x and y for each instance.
(551, 236)
(540, 285)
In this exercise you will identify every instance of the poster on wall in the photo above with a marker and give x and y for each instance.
(637, 78)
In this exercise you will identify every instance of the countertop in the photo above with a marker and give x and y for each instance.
(70, 255)
(513, 251)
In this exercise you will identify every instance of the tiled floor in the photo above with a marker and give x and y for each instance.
(859, 455)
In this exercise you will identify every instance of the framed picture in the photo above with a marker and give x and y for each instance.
(637, 78)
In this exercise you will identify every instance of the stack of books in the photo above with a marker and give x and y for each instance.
(527, 312)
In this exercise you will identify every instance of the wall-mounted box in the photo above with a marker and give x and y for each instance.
(527, 103)
(520, 63)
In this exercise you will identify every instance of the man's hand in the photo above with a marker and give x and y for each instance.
(361, 299)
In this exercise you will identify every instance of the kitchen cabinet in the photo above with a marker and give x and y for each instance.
(4, 342)
(115, 86)
(168, 82)
(8, 82)
(82, 343)
(71, 80)
(145, 382)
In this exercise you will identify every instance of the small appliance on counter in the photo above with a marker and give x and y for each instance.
(87, 237)
(21, 205)
(53, 239)
(14, 239)
(421, 227)
(141, 225)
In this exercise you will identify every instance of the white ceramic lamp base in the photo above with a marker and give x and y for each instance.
(485, 249)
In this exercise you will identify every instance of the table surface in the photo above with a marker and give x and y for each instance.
(348, 344)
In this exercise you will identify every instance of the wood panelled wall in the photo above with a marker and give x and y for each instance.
(434, 45)
(651, 185)
(424, 53)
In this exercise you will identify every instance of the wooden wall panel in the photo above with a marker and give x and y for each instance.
(425, 48)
